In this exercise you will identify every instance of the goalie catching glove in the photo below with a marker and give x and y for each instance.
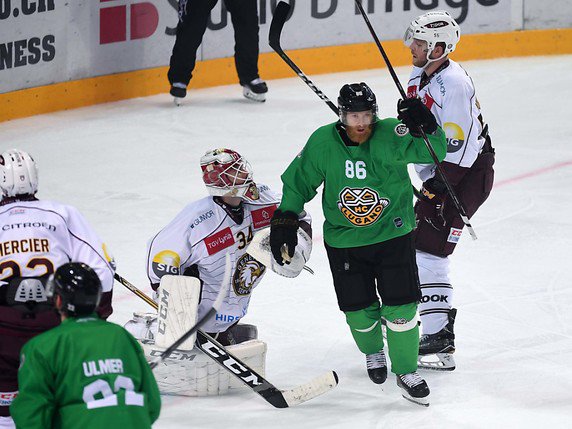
(260, 249)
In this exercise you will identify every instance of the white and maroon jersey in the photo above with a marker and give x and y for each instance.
(36, 237)
(450, 95)
(199, 238)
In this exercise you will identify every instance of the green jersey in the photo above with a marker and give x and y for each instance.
(86, 373)
(367, 196)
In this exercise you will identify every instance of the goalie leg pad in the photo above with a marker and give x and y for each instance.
(192, 373)
(178, 310)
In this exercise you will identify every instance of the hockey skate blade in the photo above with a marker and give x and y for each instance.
(316, 387)
(436, 362)
(424, 402)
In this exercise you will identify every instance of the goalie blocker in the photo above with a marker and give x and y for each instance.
(188, 371)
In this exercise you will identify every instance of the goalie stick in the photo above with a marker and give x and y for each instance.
(258, 384)
(439, 169)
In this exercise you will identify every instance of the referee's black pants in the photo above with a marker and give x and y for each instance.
(191, 28)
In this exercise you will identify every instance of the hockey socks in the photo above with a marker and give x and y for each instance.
(402, 337)
(365, 326)
(402, 333)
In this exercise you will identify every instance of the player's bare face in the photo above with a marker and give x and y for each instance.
(418, 50)
(359, 125)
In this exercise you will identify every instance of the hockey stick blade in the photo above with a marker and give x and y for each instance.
(276, 26)
(278, 20)
(212, 311)
(316, 387)
(257, 383)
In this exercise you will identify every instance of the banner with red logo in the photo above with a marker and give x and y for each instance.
(49, 41)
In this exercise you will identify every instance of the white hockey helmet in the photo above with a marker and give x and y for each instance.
(227, 173)
(18, 173)
(434, 27)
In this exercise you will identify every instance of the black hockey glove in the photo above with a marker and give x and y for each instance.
(430, 207)
(413, 113)
(283, 232)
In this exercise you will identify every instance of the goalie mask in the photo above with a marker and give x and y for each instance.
(18, 173)
(227, 174)
(434, 27)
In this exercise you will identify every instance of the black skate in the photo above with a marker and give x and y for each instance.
(414, 388)
(436, 350)
(377, 367)
(255, 90)
(178, 91)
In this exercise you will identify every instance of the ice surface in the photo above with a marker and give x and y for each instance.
(131, 166)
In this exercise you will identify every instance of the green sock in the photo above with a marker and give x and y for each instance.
(365, 326)
(403, 346)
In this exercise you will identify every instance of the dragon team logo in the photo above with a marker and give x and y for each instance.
(361, 206)
(166, 262)
(248, 271)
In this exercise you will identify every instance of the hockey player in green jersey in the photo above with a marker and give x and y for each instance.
(367, 202)
(86, 373)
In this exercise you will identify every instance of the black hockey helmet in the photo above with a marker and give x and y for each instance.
(356, 97)
(78, 286)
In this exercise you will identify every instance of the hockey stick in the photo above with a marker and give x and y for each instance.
(270, 393)
(276, 26)
(439, 169)
(212, 311)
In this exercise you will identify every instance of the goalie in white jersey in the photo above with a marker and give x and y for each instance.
(196, 242)
(36, 237)
(448, 91)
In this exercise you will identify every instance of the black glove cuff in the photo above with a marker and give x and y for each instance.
(430, 127)
(286, 219)
(436, 185)
(433, 191)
